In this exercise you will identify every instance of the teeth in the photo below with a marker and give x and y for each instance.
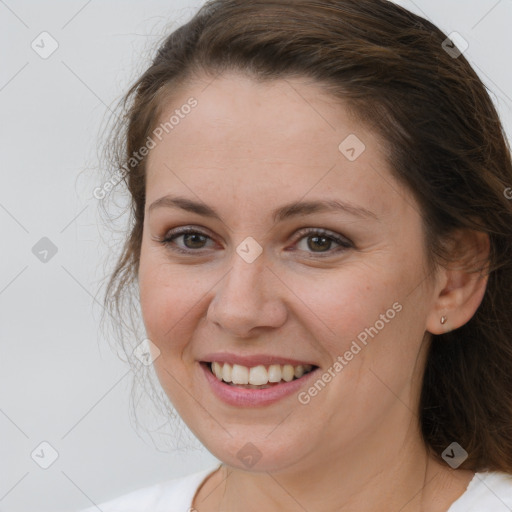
(226, 373)
(258, 375)
(274, 373)
(240, 374)
(287, 372)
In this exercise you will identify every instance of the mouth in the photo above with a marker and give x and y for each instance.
(257, 377)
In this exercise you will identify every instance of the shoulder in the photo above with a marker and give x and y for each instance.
(173, 495)
(487, 492)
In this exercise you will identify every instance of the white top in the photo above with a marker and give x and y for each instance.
(487, 492)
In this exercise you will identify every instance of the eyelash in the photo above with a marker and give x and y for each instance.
(303, 233)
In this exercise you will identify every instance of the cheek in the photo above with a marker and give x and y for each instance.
(170, 299)
(164, 298)
(366, 314)
(341, 304)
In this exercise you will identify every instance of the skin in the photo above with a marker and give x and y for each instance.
(246, 149)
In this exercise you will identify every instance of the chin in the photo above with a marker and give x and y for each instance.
(256, 456)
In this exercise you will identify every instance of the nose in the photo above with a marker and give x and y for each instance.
(247, 299)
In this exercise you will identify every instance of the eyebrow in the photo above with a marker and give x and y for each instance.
(287, 211)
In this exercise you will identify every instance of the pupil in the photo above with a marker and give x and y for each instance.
(325, 240)
(196, 236)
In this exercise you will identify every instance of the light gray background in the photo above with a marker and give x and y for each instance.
(59, 380)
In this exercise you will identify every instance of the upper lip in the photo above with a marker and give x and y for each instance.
(252, 360)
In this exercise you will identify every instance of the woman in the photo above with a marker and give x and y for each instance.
(321, 242)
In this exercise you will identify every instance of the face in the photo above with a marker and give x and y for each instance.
(255, 281)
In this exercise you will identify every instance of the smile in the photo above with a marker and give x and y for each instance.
(257, 377)
(255, 386)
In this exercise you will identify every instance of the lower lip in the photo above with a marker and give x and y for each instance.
(244, 397)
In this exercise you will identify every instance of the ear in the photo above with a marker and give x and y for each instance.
(461, 284)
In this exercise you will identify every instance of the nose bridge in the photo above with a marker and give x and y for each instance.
(245, 281)
(247, 271)
(245, 298)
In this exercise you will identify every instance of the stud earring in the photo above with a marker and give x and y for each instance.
(443, 319)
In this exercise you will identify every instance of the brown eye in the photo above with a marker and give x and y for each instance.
(193, 241)
(321, 242)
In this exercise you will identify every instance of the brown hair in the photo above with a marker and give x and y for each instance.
(446, 144)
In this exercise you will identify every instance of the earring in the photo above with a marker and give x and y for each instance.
(443, 319)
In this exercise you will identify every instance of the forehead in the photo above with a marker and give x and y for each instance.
(245, 139)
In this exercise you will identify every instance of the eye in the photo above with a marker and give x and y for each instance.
(192, 240)
(320, 241)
